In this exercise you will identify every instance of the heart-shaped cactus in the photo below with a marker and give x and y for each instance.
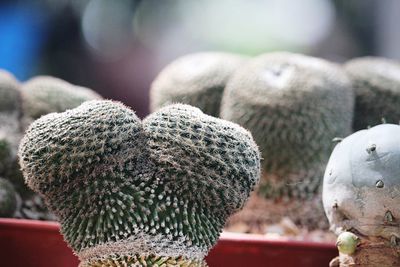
(197, 79)
(376, 83)
(361, 194)
(131, 192)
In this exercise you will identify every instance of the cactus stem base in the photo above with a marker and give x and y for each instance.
(370, 253)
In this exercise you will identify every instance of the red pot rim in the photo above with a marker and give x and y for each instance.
(243, 239)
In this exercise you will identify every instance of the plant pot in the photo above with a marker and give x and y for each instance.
(29, 243)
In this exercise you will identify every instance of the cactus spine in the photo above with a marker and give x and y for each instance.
(127, 191)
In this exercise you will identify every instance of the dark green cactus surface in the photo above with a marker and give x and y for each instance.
(197, 79)
(8, 199)
(126, 189)
(376, 83)
(294, 105)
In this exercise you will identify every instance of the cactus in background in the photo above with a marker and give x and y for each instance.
(8, 199)
(198, 79)
(44, 94)
(130, 193)
(361, 196)
(376, 83)
(294, 105)
(10, 129)
(10, 104)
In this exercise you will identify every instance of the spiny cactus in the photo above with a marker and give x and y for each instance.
(44, 94)
(197, 79)
(294, 105)
(376, 83)
(361, 195)
(128, 192)
(8, 199)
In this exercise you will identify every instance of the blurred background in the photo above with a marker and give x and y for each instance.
(118, 47)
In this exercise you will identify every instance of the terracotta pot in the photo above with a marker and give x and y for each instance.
(28, 243)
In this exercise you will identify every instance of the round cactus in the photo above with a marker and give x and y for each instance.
(197, 79)
(294, 106)
(44, 94)
(5, 153)
(8, 199)
(9, 93)
(127, 191)
(361, 193)
(376, 83)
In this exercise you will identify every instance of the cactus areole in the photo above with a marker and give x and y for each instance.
(361, 194)
(127, 192)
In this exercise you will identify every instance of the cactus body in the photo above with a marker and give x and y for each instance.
(294, 106)
(44, 94)
(126, 189)
(361, 191)
(376, 83)
(197, 79)
(8, 199)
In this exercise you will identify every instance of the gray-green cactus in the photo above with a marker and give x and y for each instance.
(376, 83)
(128, 191)
(361, 194)
(9, 94)
(294, 105)
(42, 95)
(8, 199)
(197, 79)
(5, 153)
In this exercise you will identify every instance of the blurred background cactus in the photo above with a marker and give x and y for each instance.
(197, 79)
(361, 196)
(127, 191)
(19, 106)
(376, 83)
(45, 94)
(294, 105)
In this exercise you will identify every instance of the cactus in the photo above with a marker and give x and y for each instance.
(10, 98)
(361, 196)
(197, 79)
(376, 83)
(8, 199)
(294, 105)
(130, 192)
(44, 94)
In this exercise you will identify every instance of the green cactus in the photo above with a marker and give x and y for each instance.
(44, 94)
(197, 79)
(10, 97)
(361, 195)
(128, 191)
(376, 83)
(5, 153)
(8, 199)
(294, 105)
